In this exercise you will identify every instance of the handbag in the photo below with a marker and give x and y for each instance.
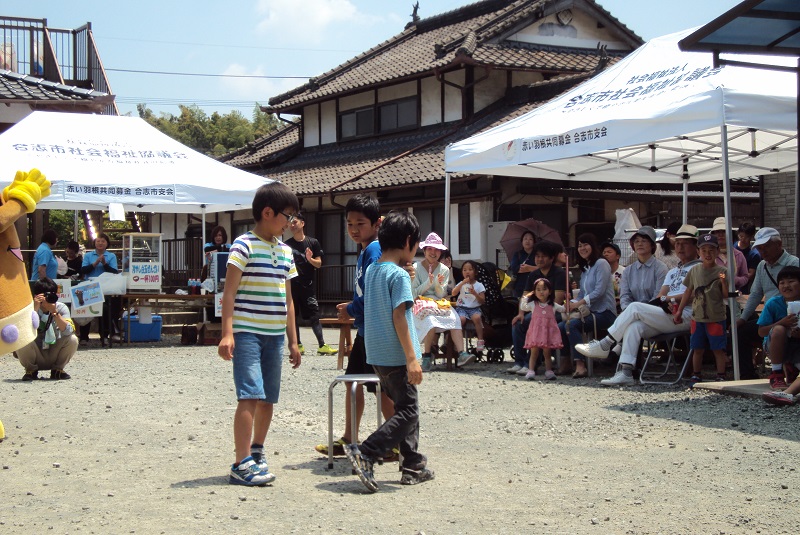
(188, 335)
(579, 313)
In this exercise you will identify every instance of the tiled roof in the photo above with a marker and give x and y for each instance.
(393, 161)
(476, 30)
(24, 88)
(267, 149)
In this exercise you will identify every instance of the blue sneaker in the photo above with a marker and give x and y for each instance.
(249, 474)
(261, 461)
(364, 466)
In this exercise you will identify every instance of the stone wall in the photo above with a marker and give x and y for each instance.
(779, 195)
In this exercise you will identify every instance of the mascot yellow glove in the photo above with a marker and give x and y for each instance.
(28, 188)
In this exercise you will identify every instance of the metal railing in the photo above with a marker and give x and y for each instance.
(58, 55)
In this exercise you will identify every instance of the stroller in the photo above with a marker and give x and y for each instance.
(497, 311)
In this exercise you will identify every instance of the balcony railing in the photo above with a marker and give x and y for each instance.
(62, 56)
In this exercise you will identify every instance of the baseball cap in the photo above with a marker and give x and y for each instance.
(687, 232)
(708, 239)
(764, 234)
(613, 246)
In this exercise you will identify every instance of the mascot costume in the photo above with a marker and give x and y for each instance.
(18, 321)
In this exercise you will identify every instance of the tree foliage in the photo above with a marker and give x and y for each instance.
(214, 135)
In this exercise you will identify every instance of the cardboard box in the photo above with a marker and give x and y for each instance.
(209, 334)
(142, 332)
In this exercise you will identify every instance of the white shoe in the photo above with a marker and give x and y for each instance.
(530, 376)
(619, 379)
(514, 369)
(592, 350)
(522, 371)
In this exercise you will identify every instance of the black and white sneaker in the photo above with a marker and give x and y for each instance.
(364, 466)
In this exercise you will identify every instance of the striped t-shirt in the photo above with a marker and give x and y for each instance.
(260, 305)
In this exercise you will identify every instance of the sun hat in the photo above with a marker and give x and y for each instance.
(433, 240)
(720, 223)
(709, 239)
(689, 232)
(764, 234)
(647, 231)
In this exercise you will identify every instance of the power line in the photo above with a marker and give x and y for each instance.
(290, 49)
(212, 75)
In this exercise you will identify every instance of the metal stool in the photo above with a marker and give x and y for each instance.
(661, 376)
(355, 380)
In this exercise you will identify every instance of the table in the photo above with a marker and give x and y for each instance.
(345, 343)
(171, 301)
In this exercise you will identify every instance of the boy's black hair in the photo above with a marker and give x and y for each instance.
(548, 248)
(300, 216)
(366, 204)
(73, 246)
(44, 285)
(747, 228)
(276, 196)
(789, 272)
(397, 229)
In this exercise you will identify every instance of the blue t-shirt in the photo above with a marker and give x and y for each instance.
(110, 265)
(775, 309)
(369, 255)
(388, 286)
(44, 257)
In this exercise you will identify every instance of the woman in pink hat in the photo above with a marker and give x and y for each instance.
(430, 280)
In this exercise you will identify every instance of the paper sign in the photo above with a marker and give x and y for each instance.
(64, 295)
(86, 294)
(218, 305)
(92, 311)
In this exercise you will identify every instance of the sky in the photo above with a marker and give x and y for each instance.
(271, 45)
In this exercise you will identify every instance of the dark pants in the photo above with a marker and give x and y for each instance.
(748, 338)
(403, 427)
(306, 306)
(109, 321)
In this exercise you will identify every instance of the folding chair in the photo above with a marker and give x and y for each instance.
(658, 369)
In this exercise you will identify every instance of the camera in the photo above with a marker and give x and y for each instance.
(51, 297)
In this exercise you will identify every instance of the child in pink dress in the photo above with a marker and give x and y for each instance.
(543, 330)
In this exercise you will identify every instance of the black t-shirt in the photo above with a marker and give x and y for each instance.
(74, 266)
(557, 277)
(305, 271)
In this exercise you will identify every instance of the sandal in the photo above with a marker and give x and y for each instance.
(338, 447)
(580, 375)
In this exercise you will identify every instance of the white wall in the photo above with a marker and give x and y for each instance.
(525, 78)
(431, 101)
(490, 90)
(394, 92)
(328, 111)
(452, 96)
(311, 126)
(359, 100)
(582, 32)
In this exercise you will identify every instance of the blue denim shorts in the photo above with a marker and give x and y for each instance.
(257, 360)
(467, 312)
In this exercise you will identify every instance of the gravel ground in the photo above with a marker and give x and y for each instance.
(140, 441)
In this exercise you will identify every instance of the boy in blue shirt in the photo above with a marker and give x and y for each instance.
(393, 351)
(363, 215)
(257, 315)
(780, 330)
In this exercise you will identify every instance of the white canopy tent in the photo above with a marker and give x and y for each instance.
(660, 115)
(95, 161)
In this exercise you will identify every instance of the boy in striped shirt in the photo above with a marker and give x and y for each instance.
(257, 314)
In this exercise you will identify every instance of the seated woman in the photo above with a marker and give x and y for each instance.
(95, 263)
(597, 293)
(523, 263)
(666, 247)
(430, 280)
(471, 295)
(55, 342)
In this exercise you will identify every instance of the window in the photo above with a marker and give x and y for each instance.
(464, 234)
(398, 115)
(357, 123)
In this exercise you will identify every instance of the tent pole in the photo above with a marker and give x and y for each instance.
(447, 211)
(685, 211)
(732, 304)
(797, 174)
(75, 226)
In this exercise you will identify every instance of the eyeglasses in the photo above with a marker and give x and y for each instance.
(289, 218)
